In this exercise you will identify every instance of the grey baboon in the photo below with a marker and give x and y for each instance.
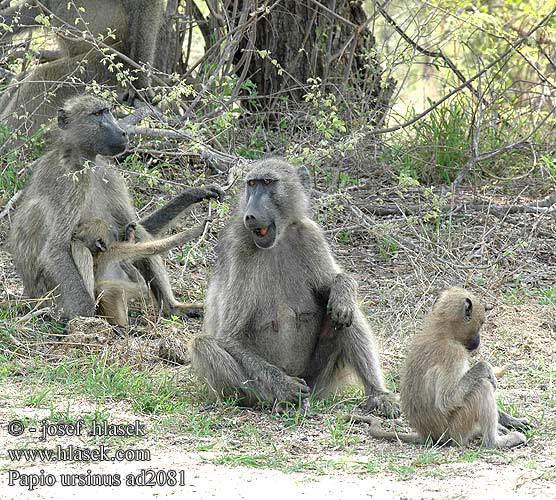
(70, 184)
(113, 291)
(133, 25)
(276, 291)
(444, 399)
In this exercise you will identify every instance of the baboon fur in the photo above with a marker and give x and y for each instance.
(94, 239)
(134, 25)
(281, 317)
(71, 184)
(444, 399)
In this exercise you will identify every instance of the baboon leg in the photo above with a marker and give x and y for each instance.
(155, 275)
(518, 423)
(61, 273)
(480, 406)
(229, 368)
(221, 372)
(160, 219)
(84, 261)
(322, 365)
(112, 301)
(359, 351)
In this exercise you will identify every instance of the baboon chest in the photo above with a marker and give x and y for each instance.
(285, 320)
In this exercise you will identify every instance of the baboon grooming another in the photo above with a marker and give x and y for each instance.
(70, 184)
(94, 240)
(444, 399)
(276, 294)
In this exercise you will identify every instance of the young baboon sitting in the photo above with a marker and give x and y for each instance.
(71, 184)
(94, 240)
(281, 317)
(444, 399)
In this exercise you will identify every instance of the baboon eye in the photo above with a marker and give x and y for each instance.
(251, 182)
(267, 181)
(99, 112)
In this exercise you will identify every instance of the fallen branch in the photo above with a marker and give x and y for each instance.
(206, 152)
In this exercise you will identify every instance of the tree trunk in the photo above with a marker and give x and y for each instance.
(300, 40)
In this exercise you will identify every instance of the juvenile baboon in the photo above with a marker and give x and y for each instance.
(133, 24)
(94, 239)
(275, 292)
(70, 184)
(444, 399)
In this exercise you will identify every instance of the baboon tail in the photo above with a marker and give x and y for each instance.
(132, 251)
(376, 432)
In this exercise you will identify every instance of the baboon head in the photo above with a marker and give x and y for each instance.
(461, 314)
(95, 235)
(275, 196)
(87, 124)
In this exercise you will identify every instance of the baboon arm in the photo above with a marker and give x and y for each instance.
(342, 300)
(454, 396)
(160, 219)
(64, 276)
(124, 250)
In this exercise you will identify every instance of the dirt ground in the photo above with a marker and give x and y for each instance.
(401, 258)
(498, 476)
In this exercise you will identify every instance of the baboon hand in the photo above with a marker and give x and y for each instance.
(383, 403)
(292, 390)
(485, 371)
(213, 191)
(341, 314)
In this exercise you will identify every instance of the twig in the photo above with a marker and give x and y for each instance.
(510, 49)
(430, 53)
(9, 206)
(205, 151)
(34, 314)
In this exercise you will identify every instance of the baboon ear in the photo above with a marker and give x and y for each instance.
(303, 173)
(62, 118)
(100, 245)
(468, 309)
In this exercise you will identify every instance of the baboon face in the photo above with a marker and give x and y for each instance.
(273, 199)
(465, 312)
(94, 234)
(88, 124)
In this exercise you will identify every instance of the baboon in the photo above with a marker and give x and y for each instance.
(133, 24)
(94, 239)
(70, 184)
(275, 293)
(444, 399)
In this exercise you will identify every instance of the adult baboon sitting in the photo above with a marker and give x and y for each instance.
(280, 316)
(70, 184)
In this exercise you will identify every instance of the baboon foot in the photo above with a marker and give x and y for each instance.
(502, 430)
(511, 440)
(516, 423)
(186, 310)
(385, 404)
